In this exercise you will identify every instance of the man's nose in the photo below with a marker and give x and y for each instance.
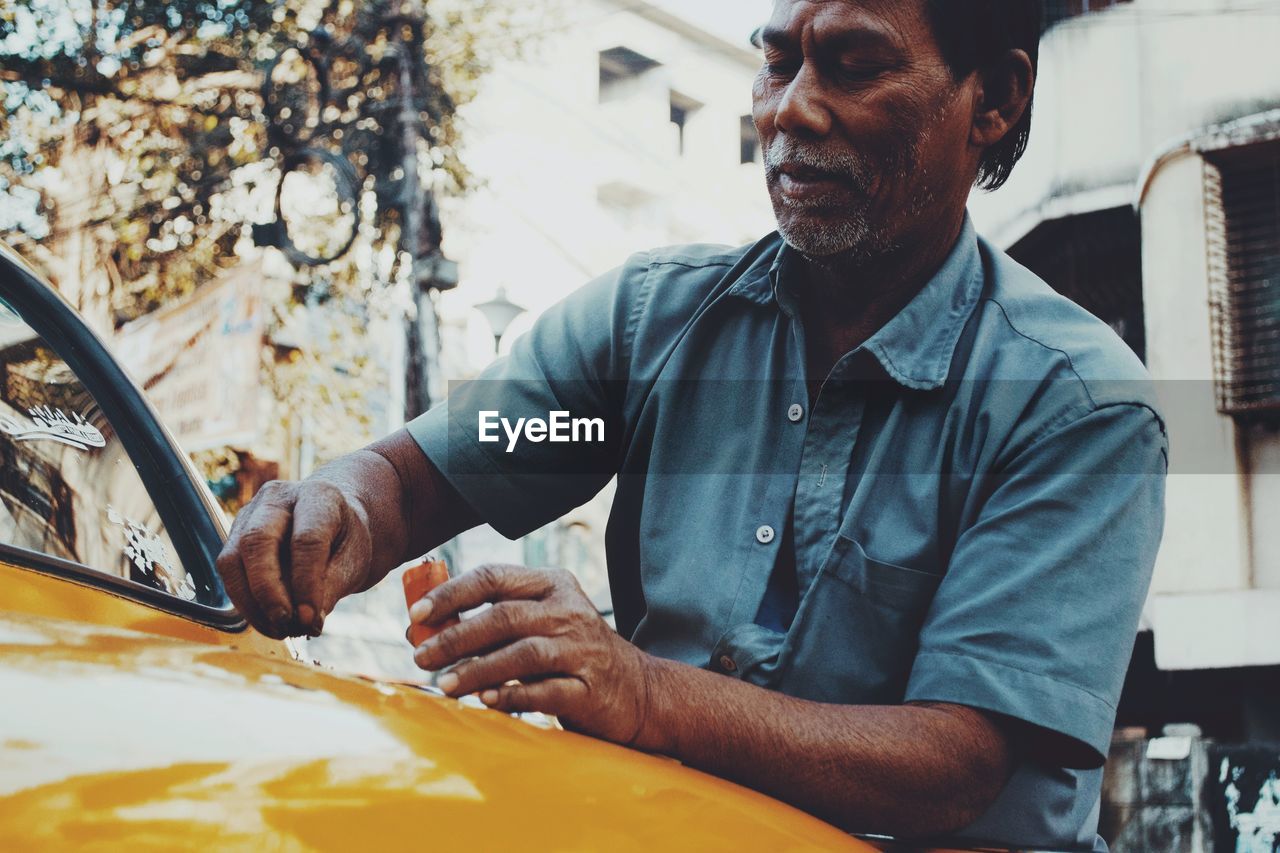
(803, 110)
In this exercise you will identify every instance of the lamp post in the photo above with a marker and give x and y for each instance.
(499, 312)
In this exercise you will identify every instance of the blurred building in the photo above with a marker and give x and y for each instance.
(1150, 194)
(623, 127)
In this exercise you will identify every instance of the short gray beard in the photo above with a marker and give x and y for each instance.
(845, 233)
(848, 237)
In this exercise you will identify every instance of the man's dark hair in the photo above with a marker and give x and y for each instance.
(975, 34)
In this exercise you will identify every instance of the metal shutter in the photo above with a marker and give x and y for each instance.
(1242, 219)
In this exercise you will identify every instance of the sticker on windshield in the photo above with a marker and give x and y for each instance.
(151, 557)
(54, 425)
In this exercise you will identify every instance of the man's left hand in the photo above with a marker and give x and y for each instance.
(543, 632)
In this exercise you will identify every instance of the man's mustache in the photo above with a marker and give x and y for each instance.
(786, 152)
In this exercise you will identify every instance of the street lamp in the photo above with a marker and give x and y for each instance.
(499, 312)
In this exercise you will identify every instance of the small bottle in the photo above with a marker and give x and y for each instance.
(418, 581)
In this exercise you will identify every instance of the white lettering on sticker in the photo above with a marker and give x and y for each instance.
(54, 425)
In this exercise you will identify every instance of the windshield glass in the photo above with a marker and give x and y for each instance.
(68, 488)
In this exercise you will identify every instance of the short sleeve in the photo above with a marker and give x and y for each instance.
(1037, 614)
(567, 373)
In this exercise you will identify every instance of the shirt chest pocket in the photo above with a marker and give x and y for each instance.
(855, 635)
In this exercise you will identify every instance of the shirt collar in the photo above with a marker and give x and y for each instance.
(916, 346)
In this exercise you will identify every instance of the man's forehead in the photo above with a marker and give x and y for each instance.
(889, 17)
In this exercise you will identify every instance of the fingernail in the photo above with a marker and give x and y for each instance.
(489, 697)
(448, 682)
(420, 610)
(306, 615)
(279, 619)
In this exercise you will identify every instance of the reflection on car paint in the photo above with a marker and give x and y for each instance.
(54, 425)
(151, 557)
(318, 766)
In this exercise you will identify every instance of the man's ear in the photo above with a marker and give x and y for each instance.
(1003, 96)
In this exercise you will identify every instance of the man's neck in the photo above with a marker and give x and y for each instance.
(845, 300)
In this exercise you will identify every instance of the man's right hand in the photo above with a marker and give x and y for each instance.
(293, 552)
(298, 548)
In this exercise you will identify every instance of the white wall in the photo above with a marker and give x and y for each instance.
(1218, 579)
(1206, 538)
(1116, 86)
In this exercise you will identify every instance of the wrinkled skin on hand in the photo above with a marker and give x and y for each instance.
(543, 632)
(292, 553)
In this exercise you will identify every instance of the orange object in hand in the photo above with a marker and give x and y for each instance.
(418, 581)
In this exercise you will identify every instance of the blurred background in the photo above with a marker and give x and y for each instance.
(297, 222)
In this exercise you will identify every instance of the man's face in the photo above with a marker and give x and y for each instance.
(862, 125)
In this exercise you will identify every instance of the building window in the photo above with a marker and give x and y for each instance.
(1242, 218)
(749, 141)
(620, 69)
(682, 106)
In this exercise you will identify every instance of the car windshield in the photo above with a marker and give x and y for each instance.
(67, 486)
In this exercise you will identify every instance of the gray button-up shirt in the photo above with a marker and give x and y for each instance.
(975, 496)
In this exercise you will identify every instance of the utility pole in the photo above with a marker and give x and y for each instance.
(428, 269)
(420, 230)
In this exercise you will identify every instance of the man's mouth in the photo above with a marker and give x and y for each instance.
(804, 183)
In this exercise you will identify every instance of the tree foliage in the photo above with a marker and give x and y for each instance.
(161, 105)
(138, 144)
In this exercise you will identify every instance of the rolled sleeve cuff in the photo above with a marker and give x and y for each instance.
(1034, 698)
(494, 496)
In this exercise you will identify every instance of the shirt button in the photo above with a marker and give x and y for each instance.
(764, 534)
(795, 413)
(727, 663)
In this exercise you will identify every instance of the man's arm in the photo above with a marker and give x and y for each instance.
(912, 771)
(299, 547)
(906, 770)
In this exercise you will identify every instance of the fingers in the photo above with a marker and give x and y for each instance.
(529, 658)
(347, 571)
(501, 624)
(231, 569)
(489, 583)
(557, 696)
(317, 524)
(250, 564)
(292, 553)
(259, 550)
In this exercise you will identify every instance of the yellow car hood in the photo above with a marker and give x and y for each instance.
(112, 737)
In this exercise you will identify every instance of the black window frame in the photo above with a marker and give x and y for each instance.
(189, 520)
(620, 64)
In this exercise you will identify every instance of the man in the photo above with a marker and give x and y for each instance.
(887, 506)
